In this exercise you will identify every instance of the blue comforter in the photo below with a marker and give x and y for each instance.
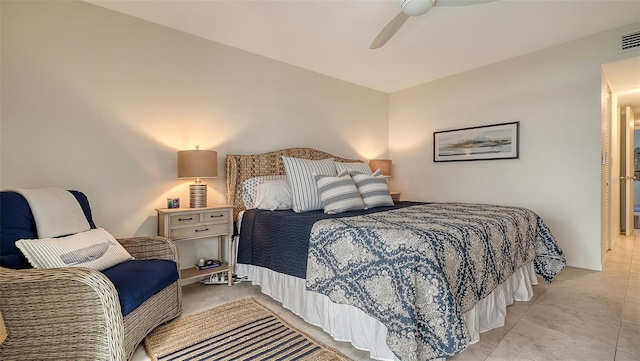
(279, 240)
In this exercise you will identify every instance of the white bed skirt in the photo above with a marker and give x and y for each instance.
(348, 323)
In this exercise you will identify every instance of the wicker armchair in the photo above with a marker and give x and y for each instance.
(75, 313)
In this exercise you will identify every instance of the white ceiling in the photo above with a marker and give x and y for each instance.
(332, 37)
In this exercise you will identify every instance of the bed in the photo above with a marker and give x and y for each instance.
(409, 281)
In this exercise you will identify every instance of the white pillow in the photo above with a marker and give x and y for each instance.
(353, 167)
(274, 195)
(373, 189)
(339, 194)
(300, 173)
(95, 248)
(250, 188)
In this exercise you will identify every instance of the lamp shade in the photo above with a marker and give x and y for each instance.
(383, 164)
(197, 164)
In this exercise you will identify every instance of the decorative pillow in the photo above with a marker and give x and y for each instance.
(95, 249)
(353, 167)
(373, 189)
(274, 194)
(338, 194)
(303, 183)
(250, 188)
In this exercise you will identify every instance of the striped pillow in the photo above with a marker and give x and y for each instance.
(353, 167)
(95, 248)
(304, 190)
(373, 189)
(339, 194)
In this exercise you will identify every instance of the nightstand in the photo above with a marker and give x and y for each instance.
(3, 330)
(186, 224)
(395, 196)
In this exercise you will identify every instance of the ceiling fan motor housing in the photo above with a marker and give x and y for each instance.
(416, 7)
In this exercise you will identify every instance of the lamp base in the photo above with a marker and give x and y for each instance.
(197, 195)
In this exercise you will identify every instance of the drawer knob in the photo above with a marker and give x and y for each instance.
(185, 219)
(217, 215)
(202, 230)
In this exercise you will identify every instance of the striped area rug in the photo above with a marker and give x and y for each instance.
(240, 330)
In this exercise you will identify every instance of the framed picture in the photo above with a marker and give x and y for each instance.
(486, 142)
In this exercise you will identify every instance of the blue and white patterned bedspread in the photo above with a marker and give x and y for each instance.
(418, 269)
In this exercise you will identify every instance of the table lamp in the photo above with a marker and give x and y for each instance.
(383, 164)
(197, 164)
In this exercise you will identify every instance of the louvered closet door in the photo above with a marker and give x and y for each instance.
(605, 179)
(605, 173)
(629, 174)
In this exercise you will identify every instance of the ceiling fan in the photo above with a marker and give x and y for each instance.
(415, 8)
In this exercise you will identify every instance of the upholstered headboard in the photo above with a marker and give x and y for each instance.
(243, 167)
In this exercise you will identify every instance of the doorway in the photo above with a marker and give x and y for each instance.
(620, 191)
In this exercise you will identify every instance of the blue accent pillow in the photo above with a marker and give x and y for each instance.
(136, 281)
(16, 222)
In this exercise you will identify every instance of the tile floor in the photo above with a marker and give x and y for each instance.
(583, 315)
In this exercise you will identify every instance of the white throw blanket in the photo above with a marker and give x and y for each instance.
(56, 212)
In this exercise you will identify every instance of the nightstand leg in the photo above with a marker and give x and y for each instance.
(229, 258)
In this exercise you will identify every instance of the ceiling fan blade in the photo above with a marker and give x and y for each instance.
(387, 32)
(461, 2)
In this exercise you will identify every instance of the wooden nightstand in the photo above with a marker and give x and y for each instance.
(3, 330)
(395, 196)
(186, 224)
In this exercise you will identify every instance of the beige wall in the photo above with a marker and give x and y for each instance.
(555, 94)
(100, 102)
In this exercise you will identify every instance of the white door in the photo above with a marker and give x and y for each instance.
(629, 171)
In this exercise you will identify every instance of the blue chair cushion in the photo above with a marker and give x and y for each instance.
(137, 280)
(16, 222)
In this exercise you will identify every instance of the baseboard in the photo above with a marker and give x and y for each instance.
(586, 265)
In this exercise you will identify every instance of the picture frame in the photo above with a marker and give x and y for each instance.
(485, 142)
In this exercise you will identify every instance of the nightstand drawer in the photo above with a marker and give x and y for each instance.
(184, 219)
(203, 230)
(216, 216)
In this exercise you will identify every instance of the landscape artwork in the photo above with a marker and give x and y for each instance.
(497, 141)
